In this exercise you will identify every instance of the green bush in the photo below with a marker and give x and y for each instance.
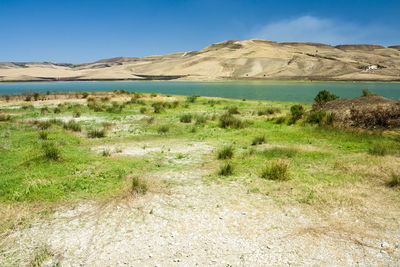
(76, 114)
(96, 133)
(72, 125)
(225, 153)
(226, 170)
(258, 140)
(143, 110)
(324, 96)
(316, 117)
(297, 111)
(280, 120)
(229, 121)
(330, 118)
(186, 118)
(277, 170)
(158, 107)
(85, 95)
(50, 151)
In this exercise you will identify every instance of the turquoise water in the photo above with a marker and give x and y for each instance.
(301, 91)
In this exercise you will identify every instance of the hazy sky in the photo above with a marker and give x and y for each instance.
(84, 31)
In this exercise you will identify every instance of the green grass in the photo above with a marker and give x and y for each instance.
(46, 160)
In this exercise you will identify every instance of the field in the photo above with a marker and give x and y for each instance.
(128, 178)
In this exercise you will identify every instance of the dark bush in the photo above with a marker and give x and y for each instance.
(50, 151)
(192, 98)
(296, 111)
(233, 110)
(316, 117)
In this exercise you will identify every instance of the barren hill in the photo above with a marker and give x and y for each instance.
(251, 59)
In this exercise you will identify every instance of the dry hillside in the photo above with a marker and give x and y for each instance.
(251, 59)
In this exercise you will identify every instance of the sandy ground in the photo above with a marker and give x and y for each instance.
(196, 222)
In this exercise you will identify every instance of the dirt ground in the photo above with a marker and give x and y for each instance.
(194, 222)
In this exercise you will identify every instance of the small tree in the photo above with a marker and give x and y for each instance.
(324, 96)
(366, 92)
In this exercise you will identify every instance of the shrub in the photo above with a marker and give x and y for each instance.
(258, 140)
(153, 94)
(143, 110)
(85, 95)
(225, 153)
(297, 111)
(158, 107)
(138, 186)
(316, 117)
(175, 104)
(150, 120)
(50, 151)
(192, 98)
(233, 110)
(277, 170)
(395, 181)
(186, 118)
(229, 121)
(366, 92)
(57, 110)
(72, 125)
(43, 135)
(163, 129)
(325, 96)
(96, 133)
(105, 99)
(96, 107)
(76, 114)
(226, 170)
(43, 125)
(28, 98)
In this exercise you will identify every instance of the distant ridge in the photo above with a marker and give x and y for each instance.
(235, 60)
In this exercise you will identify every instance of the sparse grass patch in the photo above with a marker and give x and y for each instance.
(43, 135)
(192, 98)
(225, 153)
(233, 110)
(277, 170)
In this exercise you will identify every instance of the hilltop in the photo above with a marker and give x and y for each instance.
(250, 59)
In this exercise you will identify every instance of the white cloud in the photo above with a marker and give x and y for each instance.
(329, 31)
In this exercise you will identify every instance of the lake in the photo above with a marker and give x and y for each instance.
(299, 91)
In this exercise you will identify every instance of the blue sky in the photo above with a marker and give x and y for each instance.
(84, 31)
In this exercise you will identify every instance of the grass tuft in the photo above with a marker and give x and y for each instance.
(163, 129)
(225, 153)
(186, 118)
(138, 186)
(277, 170)
(395, 181)
(51, 151)
(96, 133)
(226, 170)
(258, 140)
